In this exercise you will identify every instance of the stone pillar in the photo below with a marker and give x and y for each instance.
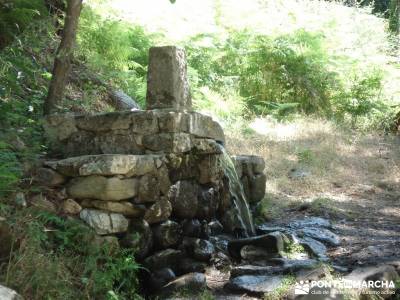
(167, 84)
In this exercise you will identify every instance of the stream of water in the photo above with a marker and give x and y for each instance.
(237, 193)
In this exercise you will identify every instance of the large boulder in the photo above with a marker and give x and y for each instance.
(102, 188)
(104, 222)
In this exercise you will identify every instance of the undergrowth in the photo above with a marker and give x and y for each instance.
(56, 258)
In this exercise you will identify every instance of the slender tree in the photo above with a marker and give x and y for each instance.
(62, 61)
(394, 16)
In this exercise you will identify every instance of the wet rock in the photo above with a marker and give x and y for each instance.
(220, 242)
(159, 211)
(254, 253)
(233, 223)
(193, 282)
(40, 202)
(191, 228)
(310, 222)
(266, 228)
(221, 261)
(168, 258)
(167, 234)
(106, 165)
(205, 230)
(320, 234)
(314, 248)
(272, 243)
(104, 222)
(257, 184)
(138, 237)
(255, 270)
(6, 240)
(210, 170)
(215, 227)
(203, 250)
(207, 203)
(9, 294)
(122, 207)
(189, 265)
(255, 284)
(183, 197)
(295, 265)
(374, 273)
(102, 188)
(167, 83)
(160, 278)
(71, 207)
(276, 266)
(48, 177)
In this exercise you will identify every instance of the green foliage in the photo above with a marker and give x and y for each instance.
(360, 99)
(17, 15)
(117, 50)
(394, 16)
(282, 76)
(63, 259)
(10, 170)
(22, 90)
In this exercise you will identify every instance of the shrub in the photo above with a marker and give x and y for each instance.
(54, 258)
(17, 15)
(118, 51)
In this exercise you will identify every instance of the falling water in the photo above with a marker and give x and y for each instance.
(237, 193)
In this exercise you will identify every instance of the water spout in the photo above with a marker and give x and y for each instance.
(237, 193)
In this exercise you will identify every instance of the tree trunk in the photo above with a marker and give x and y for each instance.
(62, 61)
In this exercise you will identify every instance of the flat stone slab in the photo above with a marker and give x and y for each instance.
(107, 165)
(103, 188)
(132, 132)
(255, 284)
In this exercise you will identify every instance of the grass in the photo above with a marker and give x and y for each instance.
(54, 258)
(283, 290)
(342, 164)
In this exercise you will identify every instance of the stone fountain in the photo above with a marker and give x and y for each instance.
(159, 181)
(162, 173)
